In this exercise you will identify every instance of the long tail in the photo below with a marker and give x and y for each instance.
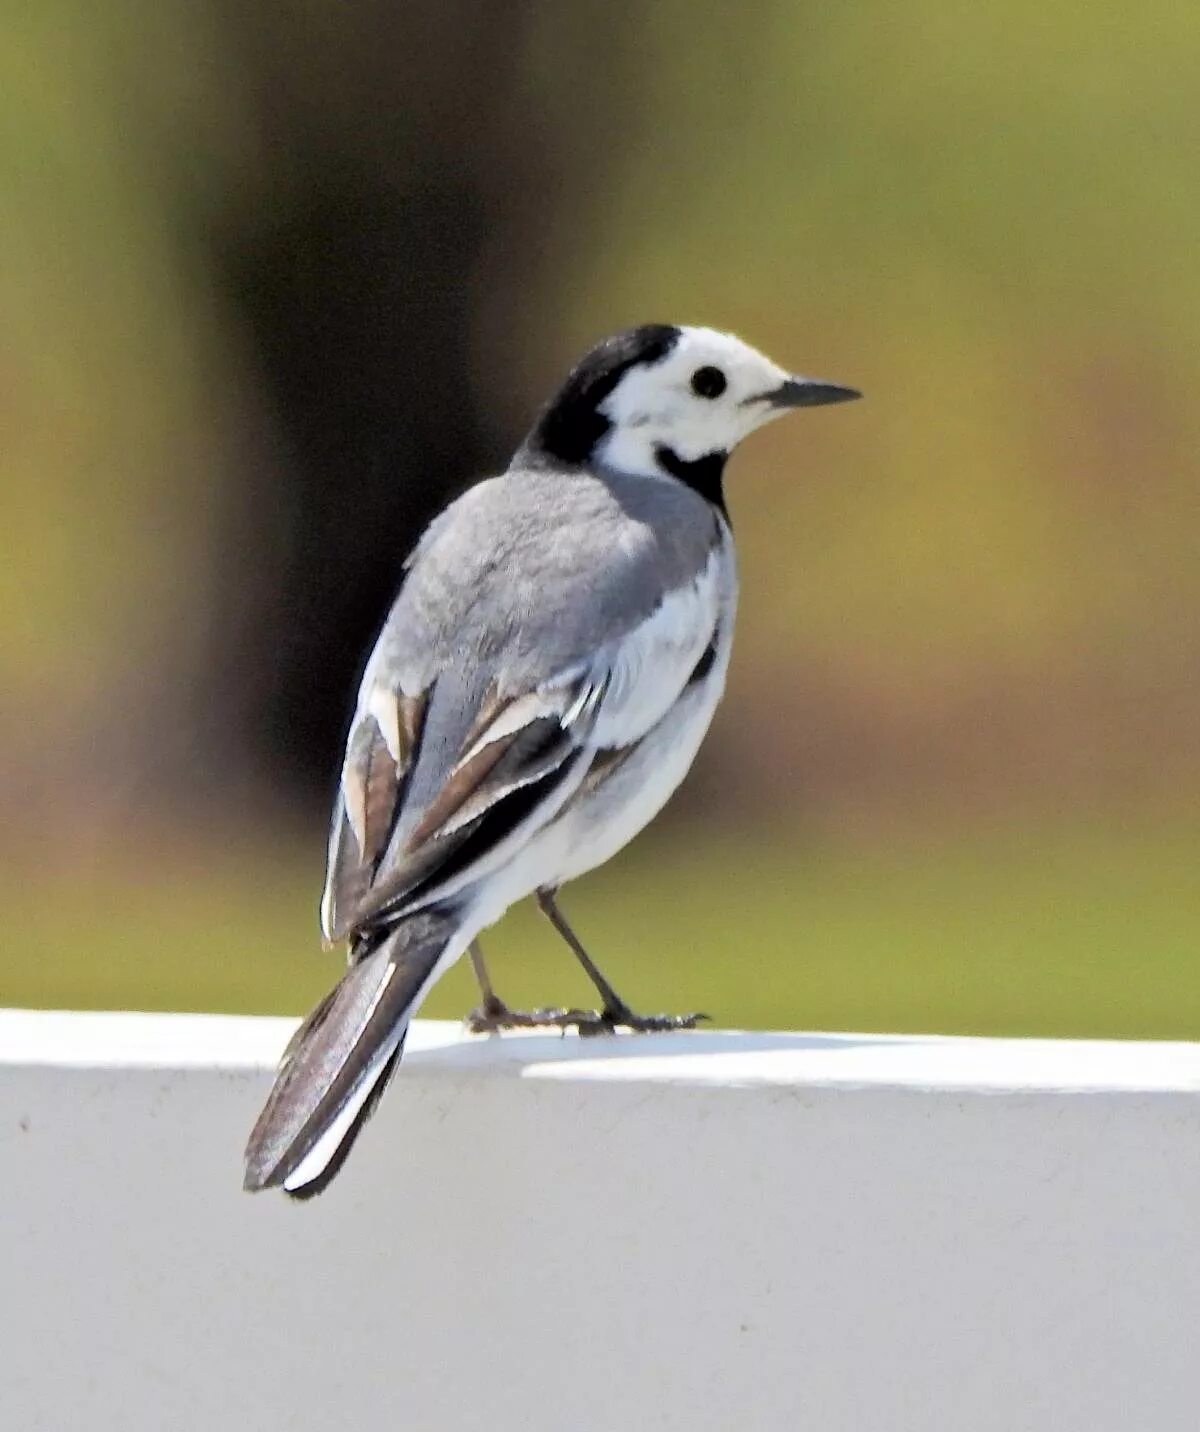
(341, 1058)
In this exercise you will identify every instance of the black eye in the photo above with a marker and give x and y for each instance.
(708, 382)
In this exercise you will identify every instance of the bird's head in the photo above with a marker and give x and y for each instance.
(662, 400)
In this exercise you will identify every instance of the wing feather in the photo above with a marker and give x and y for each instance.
(469, 778)
(525, 743)
(370, 785)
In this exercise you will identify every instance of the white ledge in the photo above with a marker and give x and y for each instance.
(680, 1233)
(739, 1058)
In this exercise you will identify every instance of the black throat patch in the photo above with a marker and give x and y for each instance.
(703, 474)
(572, 424)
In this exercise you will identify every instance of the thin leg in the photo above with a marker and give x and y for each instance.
(615, 1011)
(548, 905)
(490, 999)
(493, 1014)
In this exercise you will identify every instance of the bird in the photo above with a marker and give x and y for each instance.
(539, 689)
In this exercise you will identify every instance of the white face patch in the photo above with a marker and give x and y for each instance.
(673, 403)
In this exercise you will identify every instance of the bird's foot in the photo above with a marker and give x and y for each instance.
(494, 1016)
(622, 1017)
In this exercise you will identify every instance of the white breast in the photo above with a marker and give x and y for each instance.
(670, 718)
(642, 673)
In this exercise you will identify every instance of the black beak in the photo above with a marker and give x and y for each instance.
(809, 393)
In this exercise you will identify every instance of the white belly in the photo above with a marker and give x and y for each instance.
(597, 824)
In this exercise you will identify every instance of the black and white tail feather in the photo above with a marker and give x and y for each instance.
(341, 1059)
(539, 689)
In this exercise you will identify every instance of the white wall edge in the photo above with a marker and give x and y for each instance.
(134, 1040)
(700, 1232)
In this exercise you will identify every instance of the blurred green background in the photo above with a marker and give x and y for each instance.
(273, 285)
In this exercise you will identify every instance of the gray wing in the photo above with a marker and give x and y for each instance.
(543, 618)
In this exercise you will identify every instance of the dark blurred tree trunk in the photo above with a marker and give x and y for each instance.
(385, 149)
(403, 174)
(358, 299)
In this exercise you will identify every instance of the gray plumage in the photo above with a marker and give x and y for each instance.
(529, 573)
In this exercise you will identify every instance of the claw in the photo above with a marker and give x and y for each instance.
(494, 1016)
(624, 1018)
(494, 1019)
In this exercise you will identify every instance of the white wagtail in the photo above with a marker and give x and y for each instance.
(538, 691)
